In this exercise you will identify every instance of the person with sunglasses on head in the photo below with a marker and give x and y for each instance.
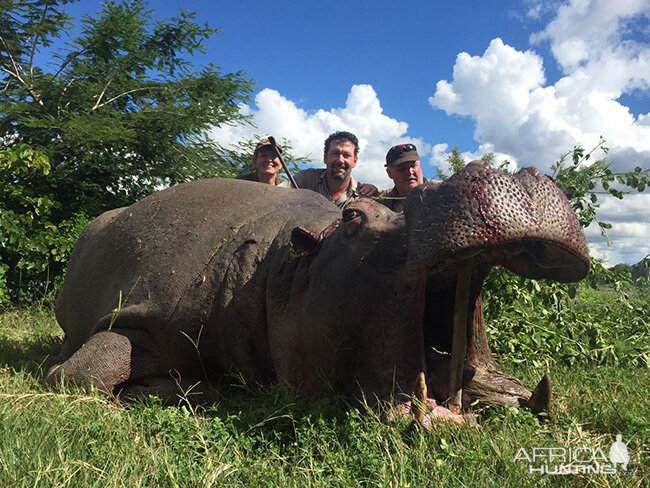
(403, 167)
(267, 165)
(336, 182)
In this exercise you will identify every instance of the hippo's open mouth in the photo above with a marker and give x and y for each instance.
(458, 234)
(481, 381)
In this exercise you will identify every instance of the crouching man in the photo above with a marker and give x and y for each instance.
(336, 182)
(403, 167)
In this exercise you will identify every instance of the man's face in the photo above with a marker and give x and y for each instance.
(266, 161)
(340, 159)
(406, 176)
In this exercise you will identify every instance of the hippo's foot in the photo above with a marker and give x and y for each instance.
(104, 362)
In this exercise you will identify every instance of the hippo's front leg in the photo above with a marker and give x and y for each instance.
(104, 361)
(114, 363)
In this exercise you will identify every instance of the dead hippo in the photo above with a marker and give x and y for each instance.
(219, 275)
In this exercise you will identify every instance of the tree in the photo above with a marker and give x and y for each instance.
(583, 183)
(456, 163)
(121, 111)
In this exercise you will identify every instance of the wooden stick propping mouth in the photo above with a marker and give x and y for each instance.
(459, 344)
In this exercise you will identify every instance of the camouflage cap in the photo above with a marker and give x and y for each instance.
(266, 142)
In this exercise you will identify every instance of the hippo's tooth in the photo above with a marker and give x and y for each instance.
(540, 400)
(420, 393)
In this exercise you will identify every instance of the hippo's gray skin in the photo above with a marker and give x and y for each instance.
(278, 284)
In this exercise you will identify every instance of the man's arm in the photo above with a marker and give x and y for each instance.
(367, 190)
(307, 179)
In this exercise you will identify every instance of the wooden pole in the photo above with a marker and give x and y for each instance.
(459, 344)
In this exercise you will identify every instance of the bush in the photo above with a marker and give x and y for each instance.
(33, 249)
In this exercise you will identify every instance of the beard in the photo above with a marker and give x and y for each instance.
(339, 176)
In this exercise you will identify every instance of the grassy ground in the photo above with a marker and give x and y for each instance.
(272, 438)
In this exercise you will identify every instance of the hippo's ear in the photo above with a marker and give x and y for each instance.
(305, 242)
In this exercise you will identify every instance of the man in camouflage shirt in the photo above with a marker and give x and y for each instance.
(336, 182)
(403, 167)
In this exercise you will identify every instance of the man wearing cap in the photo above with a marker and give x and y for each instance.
(403, 167)
(267, 164)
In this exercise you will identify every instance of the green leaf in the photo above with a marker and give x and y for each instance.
(114, 114)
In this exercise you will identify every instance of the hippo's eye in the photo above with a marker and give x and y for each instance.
(350, 214)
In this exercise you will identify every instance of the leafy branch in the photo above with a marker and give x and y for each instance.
(581, 182)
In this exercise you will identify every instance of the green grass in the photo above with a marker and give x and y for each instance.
(273, 438)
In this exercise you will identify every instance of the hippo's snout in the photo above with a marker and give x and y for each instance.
(522, 221)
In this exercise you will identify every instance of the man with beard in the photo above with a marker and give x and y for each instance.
(267, 164)
(336, 181)
(403, 167)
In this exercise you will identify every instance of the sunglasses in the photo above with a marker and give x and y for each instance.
(402, 148)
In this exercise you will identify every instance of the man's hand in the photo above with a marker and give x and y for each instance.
(368, 190)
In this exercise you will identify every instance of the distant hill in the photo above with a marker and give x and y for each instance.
(640, 270)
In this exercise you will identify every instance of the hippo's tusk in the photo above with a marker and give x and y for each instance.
(420, 393)
(459, 344)
(540, 400)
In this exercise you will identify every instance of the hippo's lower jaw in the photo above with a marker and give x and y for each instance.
(486, 386)
(482, 381)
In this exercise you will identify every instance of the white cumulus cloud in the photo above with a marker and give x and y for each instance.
(362, 115)
(602, 55)
(504, 90)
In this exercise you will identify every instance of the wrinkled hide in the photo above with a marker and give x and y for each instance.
(220, 275)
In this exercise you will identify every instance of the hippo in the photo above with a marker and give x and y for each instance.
(278, 284)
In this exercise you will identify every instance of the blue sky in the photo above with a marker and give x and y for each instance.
(314, 52)
(527, 80)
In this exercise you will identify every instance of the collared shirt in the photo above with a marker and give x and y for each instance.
(315, 180)
(393, 200)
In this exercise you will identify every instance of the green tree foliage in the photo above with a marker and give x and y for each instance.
(117, 114)
(456, 163)
(583, 183)
(29, 240)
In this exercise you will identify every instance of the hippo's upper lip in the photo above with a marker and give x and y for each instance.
(531, 258)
